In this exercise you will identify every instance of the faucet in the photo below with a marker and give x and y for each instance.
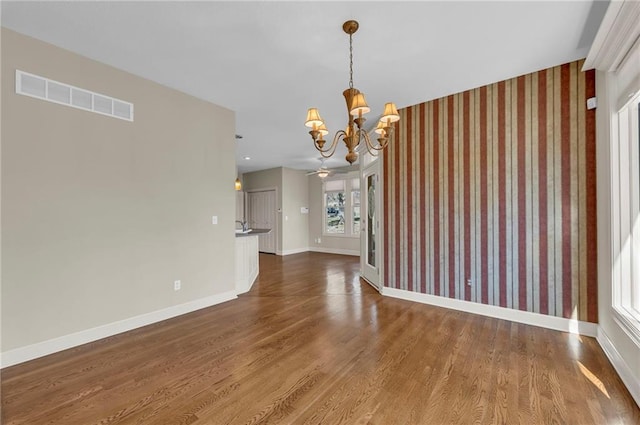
(243, 224)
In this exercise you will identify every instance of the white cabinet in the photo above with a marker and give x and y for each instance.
(246, 262)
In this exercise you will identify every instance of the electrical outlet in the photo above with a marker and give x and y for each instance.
(469, 282)
(319, 240)
(177, 285)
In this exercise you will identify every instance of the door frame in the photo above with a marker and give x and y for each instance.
(372, 167)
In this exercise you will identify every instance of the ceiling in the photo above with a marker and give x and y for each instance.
(270, 61)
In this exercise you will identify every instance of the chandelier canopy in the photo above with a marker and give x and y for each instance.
(357, 106)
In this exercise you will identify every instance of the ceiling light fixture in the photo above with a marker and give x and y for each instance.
(321, 172)
(356, 108)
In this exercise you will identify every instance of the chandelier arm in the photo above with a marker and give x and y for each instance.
(326, 153)
(373, 149)
(367, 142)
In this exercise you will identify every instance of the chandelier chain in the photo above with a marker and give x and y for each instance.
(350, 61)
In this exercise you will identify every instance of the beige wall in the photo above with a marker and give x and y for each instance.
(295, 224)
(291, 188)
(100, 215)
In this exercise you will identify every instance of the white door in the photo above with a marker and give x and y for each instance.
(261, 214)
(370, 222)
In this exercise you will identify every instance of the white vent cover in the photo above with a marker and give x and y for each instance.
(65, 94)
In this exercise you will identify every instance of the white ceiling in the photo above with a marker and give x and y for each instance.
(270, 61)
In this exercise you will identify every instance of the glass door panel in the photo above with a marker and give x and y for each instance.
(371, 220)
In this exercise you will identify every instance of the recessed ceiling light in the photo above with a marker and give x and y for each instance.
(247, 158)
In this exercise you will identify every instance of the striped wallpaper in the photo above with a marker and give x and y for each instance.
(490, 195)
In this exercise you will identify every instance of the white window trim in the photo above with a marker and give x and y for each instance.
(629, 325)
(626, 231)
(348, 208)
(353, 205)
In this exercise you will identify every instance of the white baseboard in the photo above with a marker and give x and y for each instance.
(335, 251)
(373, 285)
(535, 319)
(244, 286)
(40, 349)
(292, 251)
(625, 373)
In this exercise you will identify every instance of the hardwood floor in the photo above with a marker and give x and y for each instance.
(312, 344)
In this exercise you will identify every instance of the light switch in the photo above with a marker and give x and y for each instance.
(214, 219)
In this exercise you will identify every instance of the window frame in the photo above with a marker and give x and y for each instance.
(325, 215)
(626, 205)
(355, 228)
(347, 180)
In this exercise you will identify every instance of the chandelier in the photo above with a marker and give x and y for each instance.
(357, 106)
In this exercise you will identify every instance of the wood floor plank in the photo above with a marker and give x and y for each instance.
(313, 344)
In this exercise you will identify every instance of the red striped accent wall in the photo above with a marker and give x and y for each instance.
(489, 196)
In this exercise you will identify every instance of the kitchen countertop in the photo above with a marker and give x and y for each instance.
(253, 232)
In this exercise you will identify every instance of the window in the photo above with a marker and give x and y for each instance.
(626, 288)
(355, 203)
(334, 203)
(635, 286)
(634, 139)
(342, 207)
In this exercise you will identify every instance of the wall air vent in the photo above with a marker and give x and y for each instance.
(64, 94)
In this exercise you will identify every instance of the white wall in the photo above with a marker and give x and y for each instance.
(100, 215)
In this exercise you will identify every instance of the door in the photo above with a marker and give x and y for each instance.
(261, 214)
(370, 222)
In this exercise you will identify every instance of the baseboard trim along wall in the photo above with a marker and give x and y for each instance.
(292, 251)
(619, 365)
(335, 251)
(528, 318)
(30, 352)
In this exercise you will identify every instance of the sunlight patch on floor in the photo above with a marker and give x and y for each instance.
(594, 379)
